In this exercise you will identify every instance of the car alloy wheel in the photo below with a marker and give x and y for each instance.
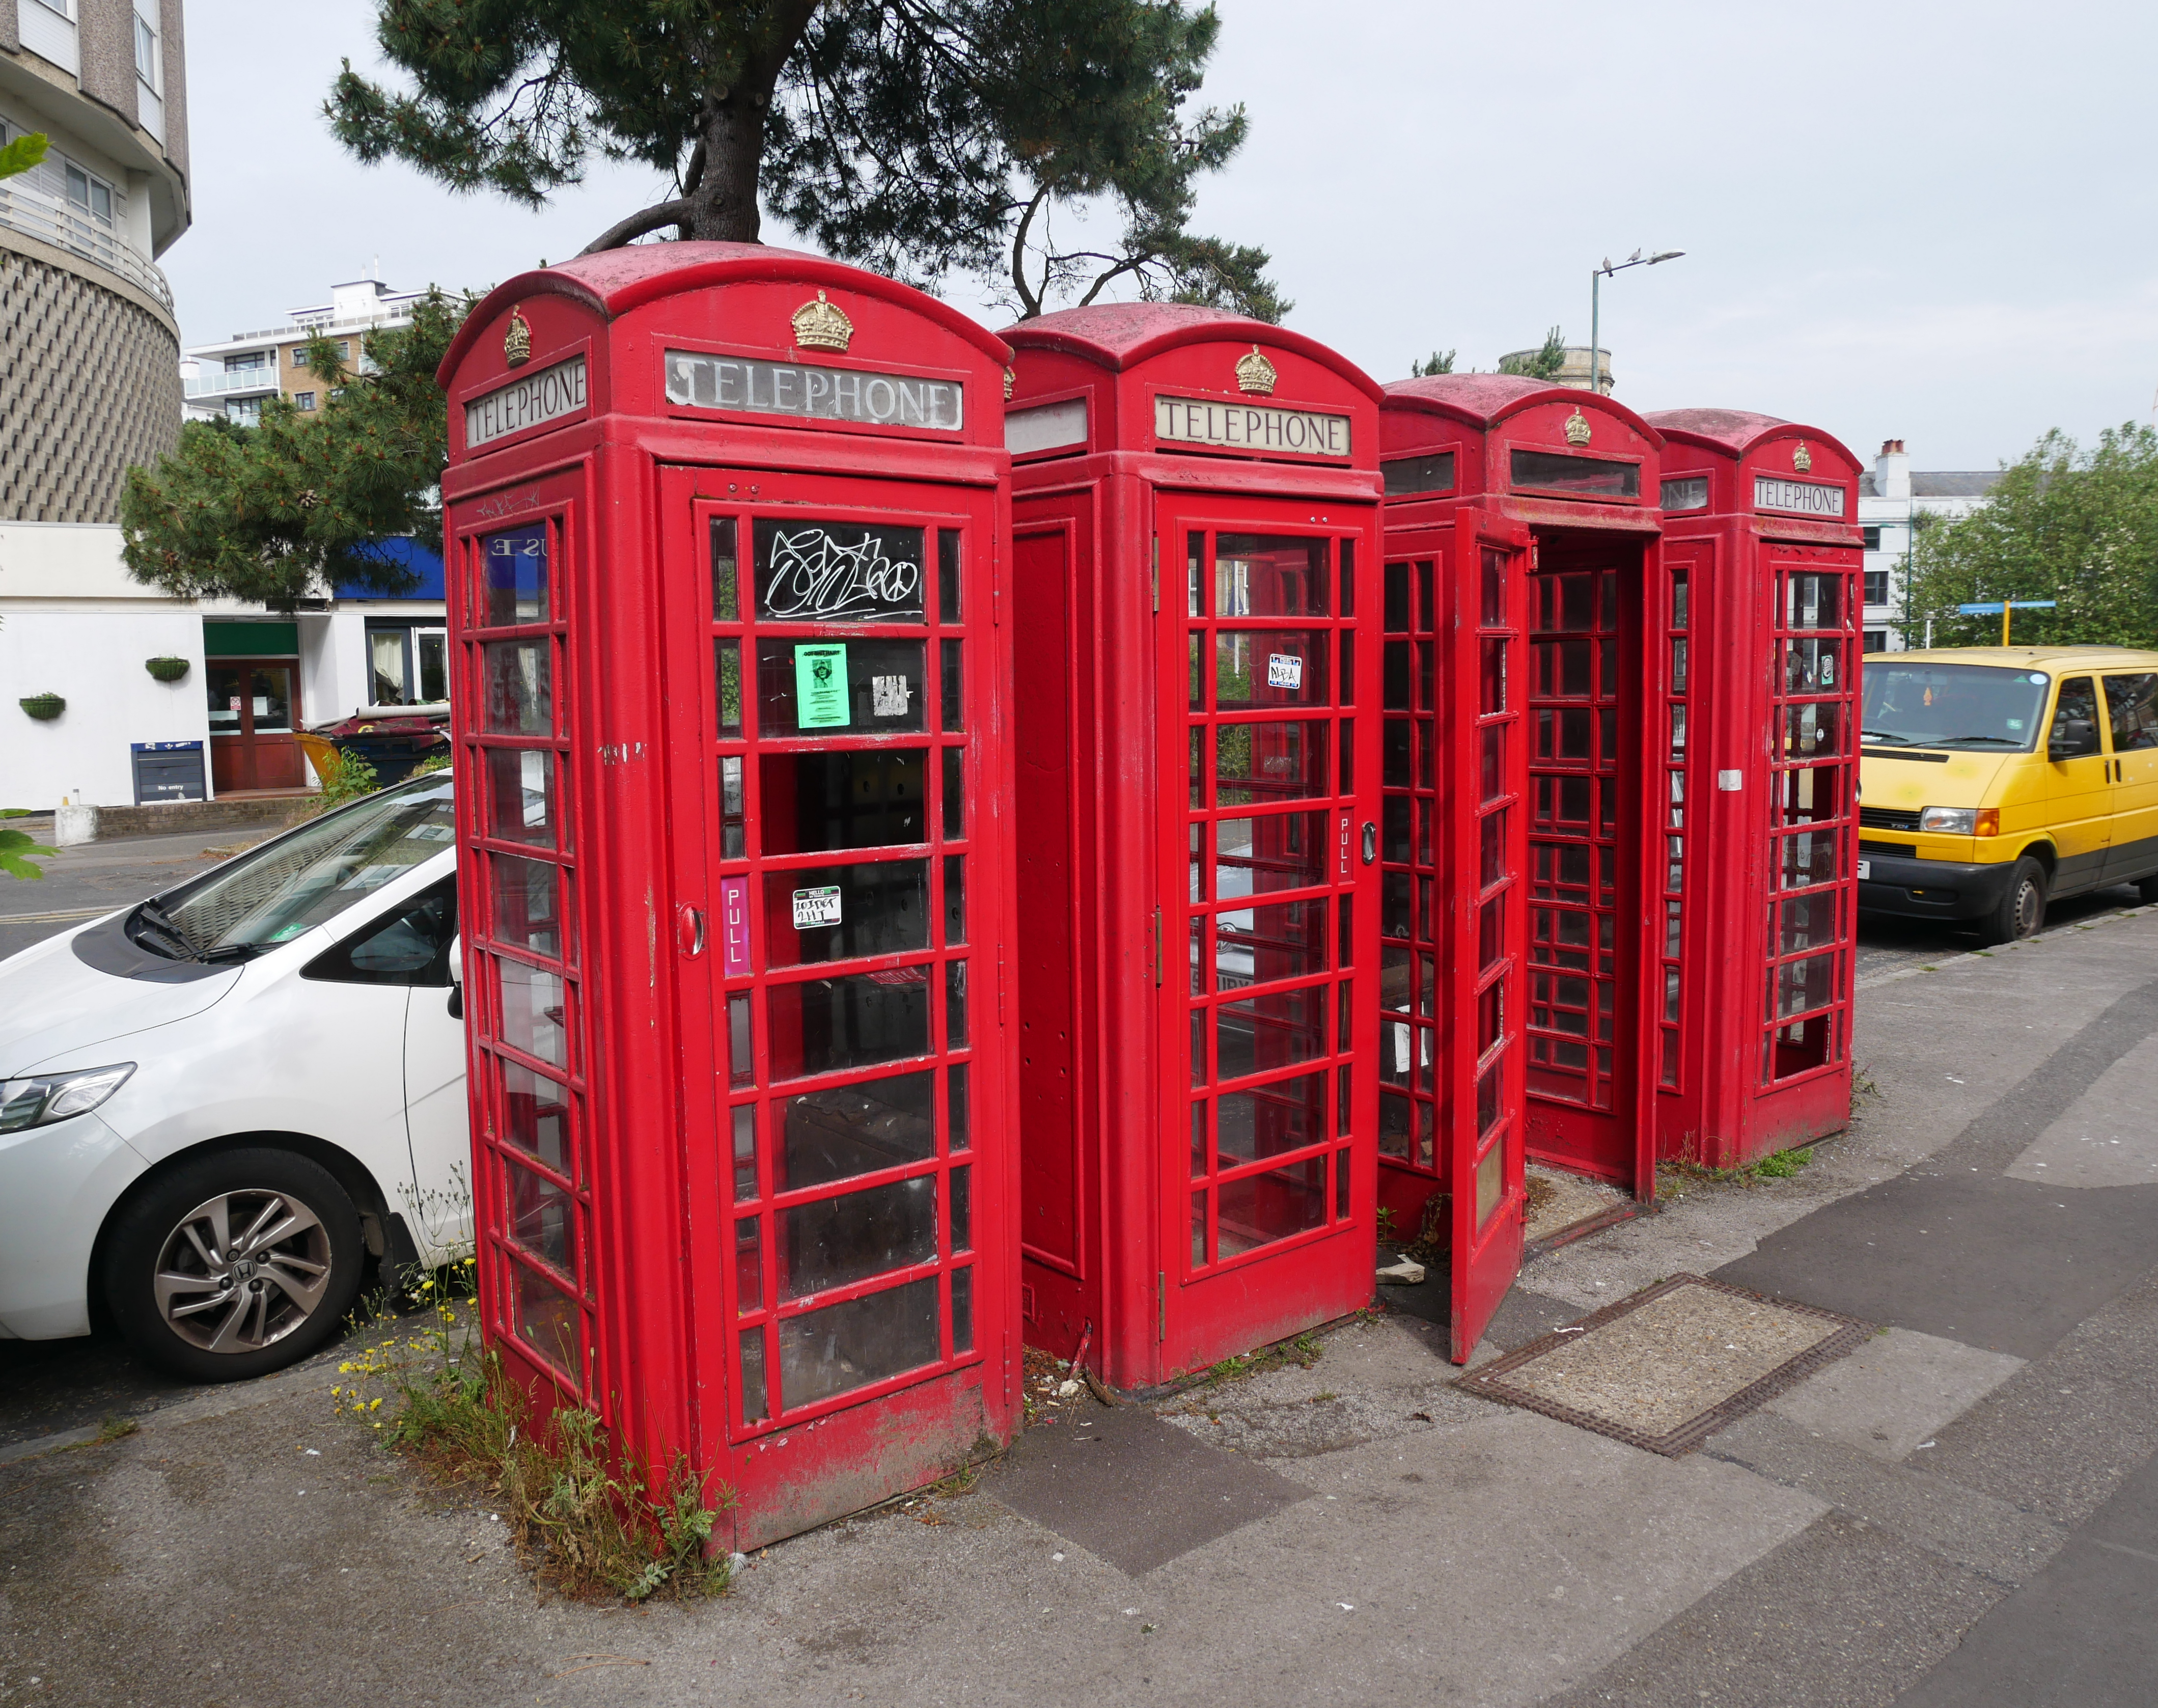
(242, 1271)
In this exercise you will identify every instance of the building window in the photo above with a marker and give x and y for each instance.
(89, 195)
(1876, 586)
(1872, 538)
(304, 399)
(64, 8)
(247, 362)
(344, 349)
(1877, 640)
(299, 355)
(247, 411)
(146, 52)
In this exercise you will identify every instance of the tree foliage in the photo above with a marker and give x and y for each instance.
(918, 138)
(290, 508)
(1441, 361)
(2065, 524)
(25, 151)
(1543, 364)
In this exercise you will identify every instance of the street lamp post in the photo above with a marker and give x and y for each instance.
(1595, 307)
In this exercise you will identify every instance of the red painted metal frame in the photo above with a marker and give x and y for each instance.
(1481, 420)
(1733, 1105)
(1100, 631)
(620, 484)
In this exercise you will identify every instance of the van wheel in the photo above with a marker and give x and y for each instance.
(234, 1265)
(2146, 889)
(2022, 909)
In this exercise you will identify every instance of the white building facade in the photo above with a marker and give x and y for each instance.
(1890, 499)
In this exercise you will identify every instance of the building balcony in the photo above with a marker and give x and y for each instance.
(231, 382)
(40, 215)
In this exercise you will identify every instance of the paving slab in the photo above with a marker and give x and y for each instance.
(2108, 1136)
(1894, 1392)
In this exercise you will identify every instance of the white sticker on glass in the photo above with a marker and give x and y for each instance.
(816, 907)
(888, 696)
(1284, 670)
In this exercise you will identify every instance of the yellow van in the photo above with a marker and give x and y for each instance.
(1995, 778)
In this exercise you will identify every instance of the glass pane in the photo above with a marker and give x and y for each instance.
(549, 1321)
(825, 1025)
(1808, 858)
(1492, 611)
(1281, 851)
(519, 686)
(385, 659)
(1274, 1029)
(963, 1210)
(1257, 763)
(1488, 1086)
(955, 1135)
(1806, 797)
(528, 912)
(1577, 477)
(749, 1266)
(1490, 933)
(726, 590)
(1348, 578)
(520, 794)
(951, 688)
(1490, 1183)
(1811, 729)
(1394, 1118)
(1816, 601)
(1194, 577)
(845, 1346)
(1808, 921)
(542, 1219)
(532, 1017)
(838, 572)
(1257, 575)
(745, 1121)
(756, 1405)
(726, 678)
(1258, 667)
(741, 1059)
(1492, 676)
(962, 1310)
(1799, 986)
(955, 796)
(1394, 674)
(1199, 1229)
(733, 842)
(833, 913)
(955, 899)
(272, 688)
(1260, 1209)
(836, 1242)
(515, 588)
(1407, 475)
(535, 1116)
(948, 589)
(1284, 1115)
(847, 1130)
(872, 687)
(1199, 1138)
(1259, 944)
(864, 798)
(955, 1005)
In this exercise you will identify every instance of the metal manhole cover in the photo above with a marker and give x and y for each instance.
(1667, 1368)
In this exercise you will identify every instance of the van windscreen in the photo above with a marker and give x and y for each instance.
(1977, 708)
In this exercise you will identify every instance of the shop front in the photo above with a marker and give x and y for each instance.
(251, 675)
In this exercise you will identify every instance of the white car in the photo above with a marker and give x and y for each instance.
(216, 1105)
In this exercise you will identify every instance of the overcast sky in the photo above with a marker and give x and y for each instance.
(1926, 221)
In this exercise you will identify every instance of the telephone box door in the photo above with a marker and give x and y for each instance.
(1486, 1002)
(837, 940)
(1268, 835)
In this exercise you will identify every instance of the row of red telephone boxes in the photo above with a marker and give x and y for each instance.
(977, 841)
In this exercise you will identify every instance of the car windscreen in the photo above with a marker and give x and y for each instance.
(1982, 708)
(313, 874)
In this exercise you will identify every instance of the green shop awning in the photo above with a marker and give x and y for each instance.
(229, 639)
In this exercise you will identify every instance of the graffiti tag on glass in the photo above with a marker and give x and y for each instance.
(832, 572)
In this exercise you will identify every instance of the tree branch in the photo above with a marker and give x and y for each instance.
(651, 220)
(1028, 300)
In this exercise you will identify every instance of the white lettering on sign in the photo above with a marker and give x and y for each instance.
(1809, 497)
(531, 402)
(816, 907)
(1284, 670)
(1247, 427)
(698, 381)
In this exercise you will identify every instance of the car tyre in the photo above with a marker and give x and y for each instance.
(2021, 909)
(2146, 889)
(233, 1264)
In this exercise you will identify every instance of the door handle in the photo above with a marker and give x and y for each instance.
(1370, 842)
(694, 918)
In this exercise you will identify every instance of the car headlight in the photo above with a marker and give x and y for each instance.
(34, 1102)
(1961, 821)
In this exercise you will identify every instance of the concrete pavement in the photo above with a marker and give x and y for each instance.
(1963, 1511)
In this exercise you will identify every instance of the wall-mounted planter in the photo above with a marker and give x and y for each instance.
(43, 706)
(167, 669)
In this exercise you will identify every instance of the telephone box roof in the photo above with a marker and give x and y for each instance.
(1485, 399)
(1735, 432)
(616, 280)
(1121, 335)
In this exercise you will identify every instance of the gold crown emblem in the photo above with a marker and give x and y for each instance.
(1254, 373)
(1578, 429)
(516, 342)
(1802, 459)
(1011, 384)
(822, 325)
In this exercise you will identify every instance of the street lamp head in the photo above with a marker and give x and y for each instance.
(1669, 254)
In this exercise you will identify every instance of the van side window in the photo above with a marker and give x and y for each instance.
(411, 946)
(2131, 702)
(2075, 719)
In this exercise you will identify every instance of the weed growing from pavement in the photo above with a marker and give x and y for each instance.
(1674, 1177)
(579, 1526)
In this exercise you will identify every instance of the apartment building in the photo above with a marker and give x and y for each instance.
(232, 376)
(1890, 499)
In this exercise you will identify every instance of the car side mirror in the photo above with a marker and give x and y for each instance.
(457, 979)
(2073, 738)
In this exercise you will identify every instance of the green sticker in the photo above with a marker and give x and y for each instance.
(820, 686)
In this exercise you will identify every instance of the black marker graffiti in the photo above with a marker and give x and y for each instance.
(816, 577)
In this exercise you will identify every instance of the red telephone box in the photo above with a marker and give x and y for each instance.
(1196, 517)
(1762, 554)
(1524, 902)
(723, 531)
